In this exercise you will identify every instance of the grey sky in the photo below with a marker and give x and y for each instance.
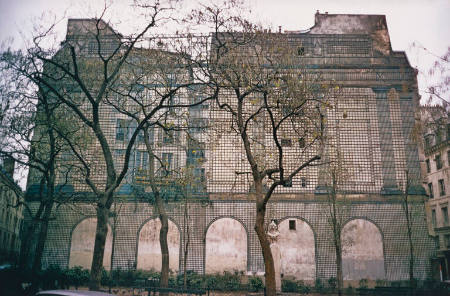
(426, 22)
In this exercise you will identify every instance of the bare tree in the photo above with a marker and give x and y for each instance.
(30, 126)
(408, 210)
(80, 76)
(265, 104)
(336, 206)
(167, 90)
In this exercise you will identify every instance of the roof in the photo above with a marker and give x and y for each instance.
(348, 23)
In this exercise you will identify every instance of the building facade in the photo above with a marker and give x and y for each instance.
(436, 154)
(11, 216)
(370, 124)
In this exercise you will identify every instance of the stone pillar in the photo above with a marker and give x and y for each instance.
(386, 144)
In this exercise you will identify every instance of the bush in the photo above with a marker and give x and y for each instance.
(288, 286)
(303, 288)
(363, 283)
(77, 276)
(255, 284)
(318, 286)
(231, 281)
(332, 283)
(350, 290)
(295, 286)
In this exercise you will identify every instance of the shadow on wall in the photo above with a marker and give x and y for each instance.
(82, 245)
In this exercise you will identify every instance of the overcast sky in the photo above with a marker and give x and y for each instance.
(426, 22)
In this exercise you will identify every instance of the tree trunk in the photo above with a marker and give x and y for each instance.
(339, 275)
(41, 239)
(25, 246)
(186, 244)
(265, 246)
(164, 280)
(411, 254)
(99, 247)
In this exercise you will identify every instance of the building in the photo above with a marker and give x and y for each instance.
(11, 216)
(436, 154)
(371, 123)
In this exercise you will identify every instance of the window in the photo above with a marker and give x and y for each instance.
(303, 181)
(301, 143)
(448, 158)
(438, 161)
(430, 190)
(301, 51)
(433, 218)
(441, 187)
(195, 156)
(444, 211)
(448, 131)
(447, 240)
(288, 183)
(167, 159)
(428, 166)
(292, 225)
(141, 160)
(438, 136)
(168, 137)
(428, 141)
(286, 143)
(124, 129)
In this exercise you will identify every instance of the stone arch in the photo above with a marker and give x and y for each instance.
(148, 250)
(297, 248)
(82, 244)
(226, 245)
(362, 250)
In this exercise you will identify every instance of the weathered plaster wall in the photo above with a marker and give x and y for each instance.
(82, 245)
(149, 249)
(225, 246)
(387, 216)
(298, 255)
(362, 256)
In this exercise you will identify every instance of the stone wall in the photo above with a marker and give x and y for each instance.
(376, 231)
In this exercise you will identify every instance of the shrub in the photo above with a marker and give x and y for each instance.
(303, 288)
(318, 286)
(255, 284)
(77, 276)
(231, 281)
(332, 283)
(363, 283)
(350, 290)
(288, 286)
(380, 283)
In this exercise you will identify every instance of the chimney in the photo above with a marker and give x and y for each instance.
(8, 166)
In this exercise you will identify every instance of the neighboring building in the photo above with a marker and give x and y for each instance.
(436, 154)
(371, 123)
(11, 216)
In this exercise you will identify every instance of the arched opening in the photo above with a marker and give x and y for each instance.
(149, 249)
(225, 246)
(297, 248)
(362, 251)
(82, 245)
